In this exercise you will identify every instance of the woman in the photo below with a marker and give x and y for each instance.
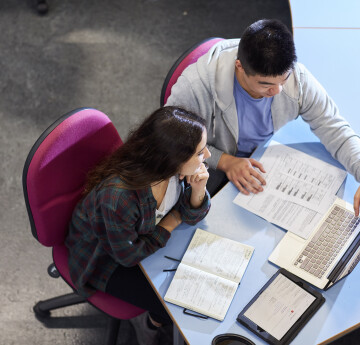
(132, 202)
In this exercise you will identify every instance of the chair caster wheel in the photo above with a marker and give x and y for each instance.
(53, 272)
(42, 7)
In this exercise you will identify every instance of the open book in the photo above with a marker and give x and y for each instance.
(208, 276)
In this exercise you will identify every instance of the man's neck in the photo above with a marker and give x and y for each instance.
(240, 78)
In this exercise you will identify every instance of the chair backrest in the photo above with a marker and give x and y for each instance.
(187, 58)
(56, 167)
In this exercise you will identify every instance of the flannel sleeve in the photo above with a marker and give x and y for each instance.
(191, 215)
(130, 231)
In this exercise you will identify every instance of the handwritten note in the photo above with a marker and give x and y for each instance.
(208, 276)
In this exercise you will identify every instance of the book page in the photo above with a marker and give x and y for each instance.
(218, 255)
(201, 292)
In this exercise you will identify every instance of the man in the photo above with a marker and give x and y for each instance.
(248, 89)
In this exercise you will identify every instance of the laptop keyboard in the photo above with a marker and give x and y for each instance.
(327, 242)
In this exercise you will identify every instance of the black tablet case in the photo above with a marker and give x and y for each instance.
(298, 325)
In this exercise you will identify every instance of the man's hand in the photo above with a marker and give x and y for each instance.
(357, 202)
(241, 172)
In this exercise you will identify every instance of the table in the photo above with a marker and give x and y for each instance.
(342, 307)
(327, 36)
(327, 49)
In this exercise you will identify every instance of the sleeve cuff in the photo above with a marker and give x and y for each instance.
(191, 215)
(161, 235)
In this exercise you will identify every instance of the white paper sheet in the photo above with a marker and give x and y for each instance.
(299, 189)
(279, 306)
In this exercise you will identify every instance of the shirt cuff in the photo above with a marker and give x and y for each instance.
(161, 235)
(191, 215)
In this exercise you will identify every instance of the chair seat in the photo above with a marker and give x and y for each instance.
(109, 304)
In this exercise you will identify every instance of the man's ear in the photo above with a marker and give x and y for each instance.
(238, 65)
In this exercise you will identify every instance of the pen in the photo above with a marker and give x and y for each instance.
(170, 258)
(173, 259)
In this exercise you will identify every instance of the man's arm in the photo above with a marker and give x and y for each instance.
(323, 116)
(192, 96)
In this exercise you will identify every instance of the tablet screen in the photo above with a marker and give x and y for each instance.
(279, 306)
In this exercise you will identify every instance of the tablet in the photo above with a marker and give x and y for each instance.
(281, 308)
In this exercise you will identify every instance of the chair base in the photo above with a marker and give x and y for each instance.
(43, 309)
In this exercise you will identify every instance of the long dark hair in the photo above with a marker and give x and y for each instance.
(154, 151)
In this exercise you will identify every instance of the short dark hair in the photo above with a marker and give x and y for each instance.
(154, 151)
(267, 48)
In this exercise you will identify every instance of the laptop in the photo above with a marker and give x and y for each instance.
(329, 254)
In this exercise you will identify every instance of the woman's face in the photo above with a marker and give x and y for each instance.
(193, 165)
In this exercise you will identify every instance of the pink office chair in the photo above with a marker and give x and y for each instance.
(53, 179)
(189, 57)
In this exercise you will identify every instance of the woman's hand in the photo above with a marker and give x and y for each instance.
(198, 186)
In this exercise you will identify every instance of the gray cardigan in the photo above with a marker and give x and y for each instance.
(206, 88)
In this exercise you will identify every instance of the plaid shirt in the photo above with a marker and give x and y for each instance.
(112, 226)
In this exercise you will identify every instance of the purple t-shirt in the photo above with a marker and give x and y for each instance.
(255, 120)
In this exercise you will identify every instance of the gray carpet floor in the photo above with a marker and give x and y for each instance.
(112, 55)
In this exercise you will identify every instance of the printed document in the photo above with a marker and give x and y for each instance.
(299, 189)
